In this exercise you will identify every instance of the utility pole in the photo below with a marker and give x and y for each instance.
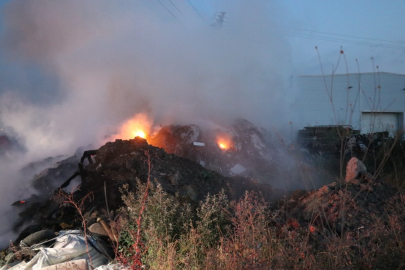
(218, 19)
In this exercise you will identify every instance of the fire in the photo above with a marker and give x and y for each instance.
(222, 146)
(138, 126)
(224, 141)
(140, 134)
(18, 203)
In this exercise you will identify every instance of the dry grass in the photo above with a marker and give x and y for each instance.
(244, 234)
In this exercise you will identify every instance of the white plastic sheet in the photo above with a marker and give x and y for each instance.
(238, 169)
(113, 267)
(70, 245)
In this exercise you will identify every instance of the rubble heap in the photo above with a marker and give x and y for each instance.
(250, 151)
(356, 210)
(123, 162)
(343, 207)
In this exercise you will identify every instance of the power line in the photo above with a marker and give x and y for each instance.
(363, 43)
(333, 34)
(167, 10)
(176, 7)
(195, 10)
(345, 41)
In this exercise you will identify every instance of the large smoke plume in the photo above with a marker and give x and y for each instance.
(111, 60)
(74, 71)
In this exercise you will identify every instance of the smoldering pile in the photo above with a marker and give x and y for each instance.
(126, 162)
(189, 165)
(188, 162)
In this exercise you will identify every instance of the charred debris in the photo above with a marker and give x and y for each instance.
(184, 161)
(189, 164)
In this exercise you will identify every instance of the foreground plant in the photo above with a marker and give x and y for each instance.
(248, 234)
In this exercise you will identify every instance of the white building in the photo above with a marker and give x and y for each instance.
(370, 102)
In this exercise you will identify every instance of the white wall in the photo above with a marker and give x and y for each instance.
(341, 99)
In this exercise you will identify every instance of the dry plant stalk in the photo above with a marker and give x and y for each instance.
(67, 198)
(138, 245)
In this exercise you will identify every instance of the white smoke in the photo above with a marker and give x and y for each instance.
(109, 60)
(113, 60)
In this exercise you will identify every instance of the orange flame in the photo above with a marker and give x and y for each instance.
(222, 146)
(140, 133)
(138, 126)
(224, 141)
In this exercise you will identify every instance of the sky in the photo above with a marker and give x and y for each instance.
(72, 72)
(364, 29)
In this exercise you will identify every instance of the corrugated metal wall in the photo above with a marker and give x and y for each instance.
(350, 100)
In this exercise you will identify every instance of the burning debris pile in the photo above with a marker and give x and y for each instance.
(242, 149)
(188, 164)
(104, 171)
(122, 162)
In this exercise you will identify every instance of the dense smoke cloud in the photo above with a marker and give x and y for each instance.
(73, 71)
(113, 60)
